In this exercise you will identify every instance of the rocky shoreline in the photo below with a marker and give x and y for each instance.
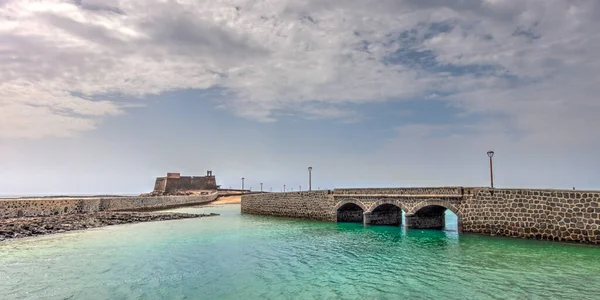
(27, 227)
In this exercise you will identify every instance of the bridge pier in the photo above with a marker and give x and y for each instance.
(434, 218)
(391, 217)
(350, 216)
(366, 218)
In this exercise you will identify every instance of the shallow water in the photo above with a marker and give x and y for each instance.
(236, 256)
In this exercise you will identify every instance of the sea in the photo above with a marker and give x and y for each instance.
(236, 256)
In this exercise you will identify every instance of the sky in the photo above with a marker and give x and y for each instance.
(103, 96)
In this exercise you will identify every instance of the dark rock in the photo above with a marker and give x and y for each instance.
(23, 227)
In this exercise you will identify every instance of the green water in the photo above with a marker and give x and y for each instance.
(236, 256)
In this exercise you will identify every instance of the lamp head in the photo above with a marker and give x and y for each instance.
(490, 154)
(310, 168)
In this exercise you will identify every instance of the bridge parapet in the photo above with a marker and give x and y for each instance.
(401, 192)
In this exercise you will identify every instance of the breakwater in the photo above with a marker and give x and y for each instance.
(14, 208)
(559, 215)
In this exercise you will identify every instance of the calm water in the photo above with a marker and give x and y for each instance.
(237, 256)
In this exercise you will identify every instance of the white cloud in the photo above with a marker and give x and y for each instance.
(311, 58)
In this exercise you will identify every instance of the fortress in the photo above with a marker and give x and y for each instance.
(174, 183)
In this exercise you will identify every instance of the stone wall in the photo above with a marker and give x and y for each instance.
(184, 183)
(426, 221)
(313, 205)
(350, 216)
(160, 185)
(392, 217)
(203, 182)
(11, 208)
(559, 215)
(190, 183)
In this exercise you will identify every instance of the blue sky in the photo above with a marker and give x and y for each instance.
(103, 96)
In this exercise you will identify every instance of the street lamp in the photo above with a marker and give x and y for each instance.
(284, 188)
(242, 185)
(261, 186)
(490, 155)
(309, 178)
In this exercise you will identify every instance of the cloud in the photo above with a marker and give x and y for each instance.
(530, 64)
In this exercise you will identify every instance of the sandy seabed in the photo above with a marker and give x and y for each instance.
(228, 200)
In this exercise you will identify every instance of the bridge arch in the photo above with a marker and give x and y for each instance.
(434, 202)
(431, 214)
(397, 203)
(385, 212)
(350, 210)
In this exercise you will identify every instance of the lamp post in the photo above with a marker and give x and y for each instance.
(309, 178)
(490, 155)
(242, 185)
(284, 188)
(261, 186)
(300, 188)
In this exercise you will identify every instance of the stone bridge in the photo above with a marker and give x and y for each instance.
(560, 215)
(424, 208)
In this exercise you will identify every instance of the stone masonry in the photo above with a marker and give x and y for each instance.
(312, 205)
(559, 215)
(385, 214)
(174, 182)
(12, 208)
(350, 213)
(538, 214)
(431, 217)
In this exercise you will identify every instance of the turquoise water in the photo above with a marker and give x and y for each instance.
(236, 256)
